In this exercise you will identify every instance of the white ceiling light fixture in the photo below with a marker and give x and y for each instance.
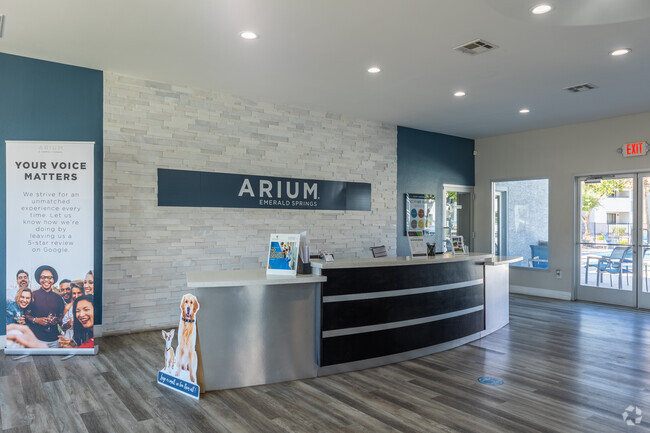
(460, 93)
(524, 111)
(248, 35)
(541, 9)
(620, 52)
(374, 70)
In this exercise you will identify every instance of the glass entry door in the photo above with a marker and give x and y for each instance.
(612, 245)
(643, 251)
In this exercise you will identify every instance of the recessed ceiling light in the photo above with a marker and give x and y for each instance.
(374, 70)
(524, 111)
(248, 35)
(460, 93)
(620, 52)
(541, 9)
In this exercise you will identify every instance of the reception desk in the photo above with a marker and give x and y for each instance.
(379, 311)
(351, 314)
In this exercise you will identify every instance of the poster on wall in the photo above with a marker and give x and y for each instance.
(420, 213)
(283, 254)
(182, 365)
(50, 247)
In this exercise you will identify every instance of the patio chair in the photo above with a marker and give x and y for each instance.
(617, 263)
(539, 256)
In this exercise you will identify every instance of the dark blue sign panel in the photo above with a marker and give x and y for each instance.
(205, 189)
(180, 385)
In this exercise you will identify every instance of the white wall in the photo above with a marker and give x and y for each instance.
(558, 154)
(148, 249)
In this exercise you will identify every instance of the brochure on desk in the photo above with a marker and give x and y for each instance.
(283, 254)
(417, 244)
(458, 246)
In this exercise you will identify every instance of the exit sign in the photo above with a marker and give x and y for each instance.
(639, 148)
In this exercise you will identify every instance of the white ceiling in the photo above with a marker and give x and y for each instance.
(315, 53)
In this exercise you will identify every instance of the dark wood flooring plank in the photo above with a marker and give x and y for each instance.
(46, 368)
(32, 386)
(97, 422)
(130, 395)
(305, 407)
(12, 403)
(112, 412)
(42, 418)
(24, 429)
(64, 409)
(343, 391)
(77, 376)
(256, 419)
(183, 414)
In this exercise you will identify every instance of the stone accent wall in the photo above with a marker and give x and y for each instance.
(148, 249)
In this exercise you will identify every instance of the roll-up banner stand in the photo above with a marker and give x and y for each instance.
(50, 248)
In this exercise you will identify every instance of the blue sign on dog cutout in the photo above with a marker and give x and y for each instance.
(180, 385)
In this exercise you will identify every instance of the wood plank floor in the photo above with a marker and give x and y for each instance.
(566, 367)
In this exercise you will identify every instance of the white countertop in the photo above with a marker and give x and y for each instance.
(246, 278)
(398, 261)
(502, 260)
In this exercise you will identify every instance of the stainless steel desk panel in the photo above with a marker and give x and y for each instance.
(252, 335)
(497, 297)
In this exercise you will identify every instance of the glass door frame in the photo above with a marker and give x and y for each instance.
(643, 273)
(446, 188)
(627, 298)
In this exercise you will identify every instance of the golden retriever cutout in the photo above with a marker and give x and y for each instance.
(186, 358)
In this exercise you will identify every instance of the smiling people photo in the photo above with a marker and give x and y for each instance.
(89, 283)
(83, 323)
(17, 309)
(47, 307)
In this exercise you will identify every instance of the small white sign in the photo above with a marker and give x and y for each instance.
(417, 244)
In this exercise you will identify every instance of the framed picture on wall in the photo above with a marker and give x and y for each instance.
(420, 213)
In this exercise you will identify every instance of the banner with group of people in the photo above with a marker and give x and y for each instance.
(50, 247)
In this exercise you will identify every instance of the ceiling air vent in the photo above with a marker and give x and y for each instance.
(477, 46)
(581, 88)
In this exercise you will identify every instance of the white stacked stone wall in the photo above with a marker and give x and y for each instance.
(149, 249)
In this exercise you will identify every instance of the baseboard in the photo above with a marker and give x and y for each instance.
(542, 293)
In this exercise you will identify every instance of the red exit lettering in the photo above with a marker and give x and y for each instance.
(634, 148)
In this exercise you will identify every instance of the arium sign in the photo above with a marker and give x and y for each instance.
(208, 189)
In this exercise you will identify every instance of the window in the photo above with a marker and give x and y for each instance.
(611, 218)
(521, 221)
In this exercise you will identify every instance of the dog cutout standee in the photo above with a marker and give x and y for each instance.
(170, 360)
(180, 371)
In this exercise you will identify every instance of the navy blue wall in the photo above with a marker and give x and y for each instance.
(426, 161)
(51, 102)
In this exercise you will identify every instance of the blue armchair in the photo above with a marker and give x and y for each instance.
(539, 256)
